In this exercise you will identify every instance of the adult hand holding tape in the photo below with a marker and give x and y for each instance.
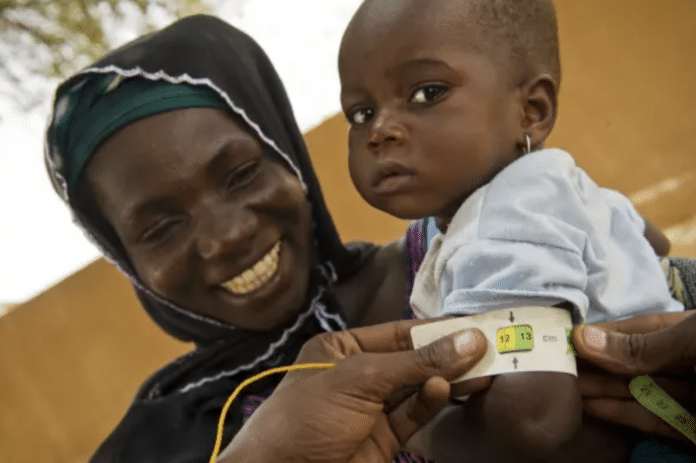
(521, 339)
(355, 410)
(660, 345)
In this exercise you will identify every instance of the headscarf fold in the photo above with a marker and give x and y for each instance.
(173, 416)
(98, 106)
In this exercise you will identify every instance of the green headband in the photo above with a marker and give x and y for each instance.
(100, 105)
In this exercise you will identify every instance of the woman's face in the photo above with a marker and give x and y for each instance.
(208, 220)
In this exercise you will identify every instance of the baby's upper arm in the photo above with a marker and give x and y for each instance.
(532, 413)
(534, 226)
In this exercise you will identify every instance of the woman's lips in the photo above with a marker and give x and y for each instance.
(257, 275)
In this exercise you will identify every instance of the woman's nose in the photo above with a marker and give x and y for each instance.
(225, 232)
(387, 130)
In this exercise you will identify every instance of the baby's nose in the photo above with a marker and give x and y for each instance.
(387, 129)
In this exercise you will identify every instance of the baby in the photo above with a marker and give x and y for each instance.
(449, 104)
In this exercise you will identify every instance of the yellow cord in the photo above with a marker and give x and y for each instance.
(245, 383)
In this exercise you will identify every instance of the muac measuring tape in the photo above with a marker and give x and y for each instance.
(655, 399)
(540, 339)
(521, 339)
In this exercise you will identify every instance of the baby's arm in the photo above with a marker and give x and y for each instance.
(530, 415)
(455, 433)
(658, 240)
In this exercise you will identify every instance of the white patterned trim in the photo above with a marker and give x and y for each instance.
(185, 78)
(314, 307)
(321, 310)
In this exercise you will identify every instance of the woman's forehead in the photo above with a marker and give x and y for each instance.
(170, 148)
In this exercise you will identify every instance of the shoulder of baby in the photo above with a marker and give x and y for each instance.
(542, 181)
(537, 199)
(543, 169)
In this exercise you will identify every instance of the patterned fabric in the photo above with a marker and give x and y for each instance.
(416, 247)
(681, 278)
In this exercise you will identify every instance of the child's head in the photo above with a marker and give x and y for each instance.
(442, 94)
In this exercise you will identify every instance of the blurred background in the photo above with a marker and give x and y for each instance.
(74, 345)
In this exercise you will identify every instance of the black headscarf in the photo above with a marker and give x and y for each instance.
(173, 416)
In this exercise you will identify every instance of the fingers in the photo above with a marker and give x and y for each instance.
(598, 384)
(382, 338)
(376, 376)
(419, 408)
(449, 357)
(628, 413)
(464, 388)
(387, 337)
(672, 348)
(645, 323)
(441, 361)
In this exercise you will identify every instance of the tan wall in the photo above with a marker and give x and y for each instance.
(71, 359)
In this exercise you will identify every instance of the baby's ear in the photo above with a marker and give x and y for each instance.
(540, 100)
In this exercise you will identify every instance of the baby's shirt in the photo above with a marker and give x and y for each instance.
(543, 233)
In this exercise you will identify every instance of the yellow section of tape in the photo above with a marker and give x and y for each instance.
(655, 399)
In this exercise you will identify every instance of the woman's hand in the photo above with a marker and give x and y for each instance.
(365, 408)
(662, 345)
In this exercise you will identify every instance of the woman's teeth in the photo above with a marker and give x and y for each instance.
(253, 278)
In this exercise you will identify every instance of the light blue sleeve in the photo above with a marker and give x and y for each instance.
(622, 205)
(493, 274)
(531, 239)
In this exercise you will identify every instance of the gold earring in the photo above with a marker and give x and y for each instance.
(527, 147)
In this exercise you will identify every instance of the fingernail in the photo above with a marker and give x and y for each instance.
(464, 342)
(594, 338)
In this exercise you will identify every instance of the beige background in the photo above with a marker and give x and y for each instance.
(71, 359)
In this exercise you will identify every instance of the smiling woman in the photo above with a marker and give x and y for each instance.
(208, 219)
(178, 153)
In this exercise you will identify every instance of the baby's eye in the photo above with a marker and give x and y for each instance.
(428, 93)
(360, 116)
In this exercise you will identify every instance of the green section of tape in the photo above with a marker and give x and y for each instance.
(655, 399)
(569, 338)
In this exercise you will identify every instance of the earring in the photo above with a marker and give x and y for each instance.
(527, 147)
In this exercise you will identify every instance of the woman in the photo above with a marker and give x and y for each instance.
(179, 155)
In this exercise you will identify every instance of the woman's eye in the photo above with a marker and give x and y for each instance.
(160, 231)
(242, 175)
(428, 93)
(360, 116)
